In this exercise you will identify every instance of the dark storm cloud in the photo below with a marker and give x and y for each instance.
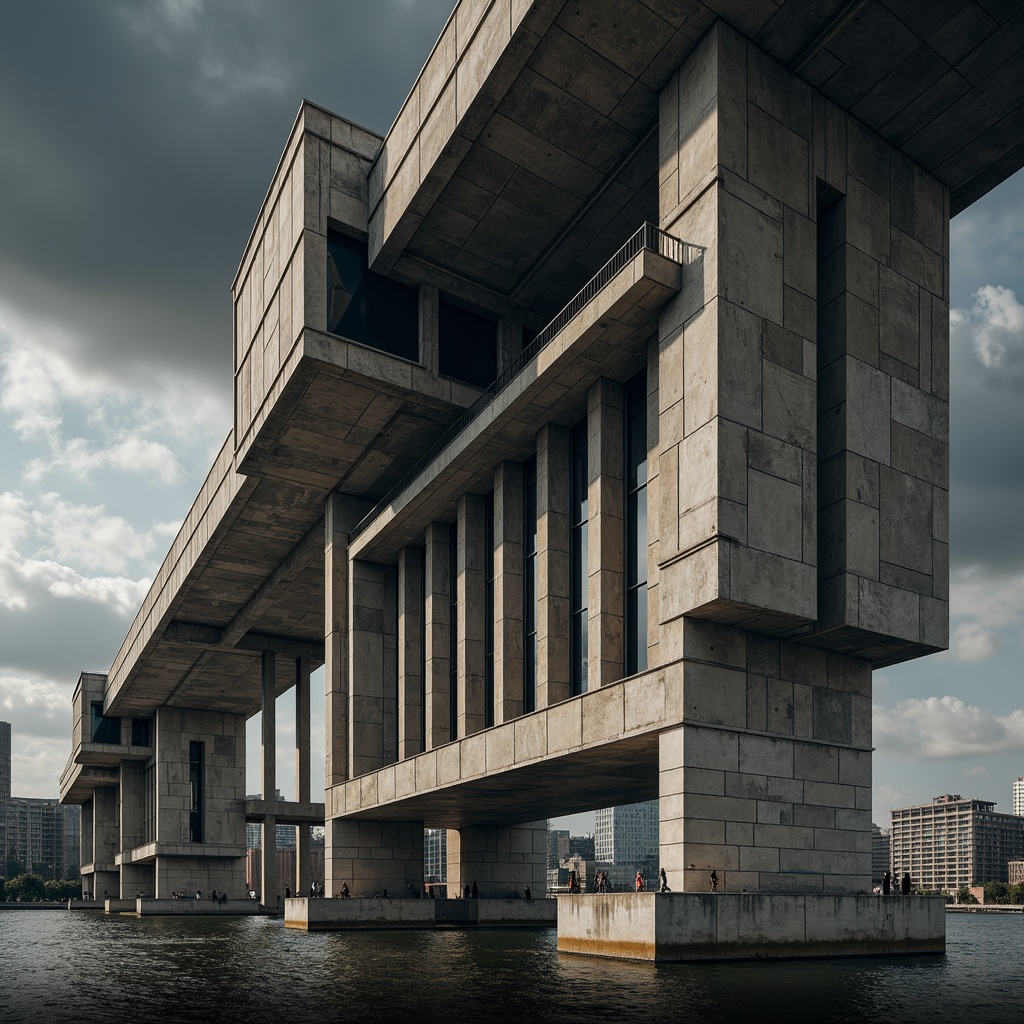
(138, 142)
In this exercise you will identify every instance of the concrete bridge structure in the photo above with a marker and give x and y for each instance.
(591, 429)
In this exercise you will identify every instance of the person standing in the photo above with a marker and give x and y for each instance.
(714, 881)
(639, 881)
(664, 882)
(887, 882)
(906, 884)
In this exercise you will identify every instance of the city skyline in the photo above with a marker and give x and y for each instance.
(115, 393)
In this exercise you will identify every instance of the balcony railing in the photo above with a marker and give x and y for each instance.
(647, 237)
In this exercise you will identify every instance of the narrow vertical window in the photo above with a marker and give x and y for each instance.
(453, 635)
(489, 610)
(530, 586)
(197, 784)
(636, 524)
(578, 565)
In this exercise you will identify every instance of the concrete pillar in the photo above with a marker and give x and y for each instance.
(106, 842)
(653, 507)
(428, 321)
(508, 591)
(552, 565)
(337, 522)
(268, 738)
(501, 860)
(373, 671)
(437, 632)
(371, 856)
(410, 652)
(470, 562)
(303, 874)
(605, 507)
(269, 882)
(88, 837)
(131, 803)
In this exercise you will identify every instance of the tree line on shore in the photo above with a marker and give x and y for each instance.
(29, 888)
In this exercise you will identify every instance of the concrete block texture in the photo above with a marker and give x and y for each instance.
(499, 860)
(801, 209)
(508, 591)
(470, 564)
(437, 632)
(371, 856)
(552, 565)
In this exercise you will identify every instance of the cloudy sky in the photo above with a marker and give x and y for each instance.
(138, 140)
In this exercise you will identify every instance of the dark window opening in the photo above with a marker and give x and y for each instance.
(530, 586)
(636, 525)
(489, 610)
(579, 571)
(453, 636)
(141, 732)
(197, 785)
(366, 307)
(467, 345)
(104, 729)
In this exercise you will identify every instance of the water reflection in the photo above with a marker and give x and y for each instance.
(57, 967)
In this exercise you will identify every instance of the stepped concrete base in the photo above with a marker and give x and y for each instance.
(736, 926)
(366, 912)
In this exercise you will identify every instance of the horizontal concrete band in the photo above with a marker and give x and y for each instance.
(737, 926)
(377, 912)
(182, 907)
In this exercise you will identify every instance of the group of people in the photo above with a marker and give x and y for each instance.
(889, 885)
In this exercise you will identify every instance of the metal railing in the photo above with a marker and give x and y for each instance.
(649, 236)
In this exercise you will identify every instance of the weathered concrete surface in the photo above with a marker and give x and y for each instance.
(738, 926)
(361, 913)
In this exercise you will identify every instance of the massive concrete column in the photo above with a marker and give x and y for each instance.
(653, 506)
(500, 860)
(373, 671)
(605, 507)
(302, 770)
(437, 629)
(338, 520)
(552, 565)
(410, 652)
(471, 582)
(131, 803)
(372, 856)
(508, 591)
(428, 319)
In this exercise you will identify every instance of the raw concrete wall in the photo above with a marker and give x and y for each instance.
(648, 926)
(498, 860)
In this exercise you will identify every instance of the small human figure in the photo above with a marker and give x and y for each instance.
(476, 892)
(639, 881)
(223, 897)
(529, 895)
(905, 884)
(714, 881)
(574, 886)
(664, 882)
(385, 894)
(312, 890)
(466, 893)
(213, 896)
(887, 883)
(106, 895)
(344, 891)
(199, 894)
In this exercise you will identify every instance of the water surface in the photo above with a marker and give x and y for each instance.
(57, 966)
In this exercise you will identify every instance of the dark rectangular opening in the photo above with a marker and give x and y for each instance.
(104, 729)
(197, 785)
(367, 307)
(467, 345)
(141, 732)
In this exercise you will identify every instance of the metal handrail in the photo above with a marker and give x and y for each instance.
(649, 236)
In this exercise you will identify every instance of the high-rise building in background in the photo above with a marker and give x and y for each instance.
(37, 834)
(879, 853)
(1018, 796)
(285, 834)
(435, 855)
(627, 835)
(953, 842)
(558, 846)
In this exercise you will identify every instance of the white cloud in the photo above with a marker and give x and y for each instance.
(973, 642)
(976, 772)
(935, 727)
(150, 459)
(34, 697)
(994, 327)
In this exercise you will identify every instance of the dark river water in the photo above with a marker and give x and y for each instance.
(60, 966)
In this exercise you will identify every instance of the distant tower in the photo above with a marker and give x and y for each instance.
(5, 762)
(1018, 786)
(627, 834)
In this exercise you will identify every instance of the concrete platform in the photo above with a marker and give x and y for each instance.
(184, 908)
(739, 926)
(359, 913)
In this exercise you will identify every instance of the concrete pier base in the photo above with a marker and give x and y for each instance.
(378, 913)
(147, 907)
(738, 926)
